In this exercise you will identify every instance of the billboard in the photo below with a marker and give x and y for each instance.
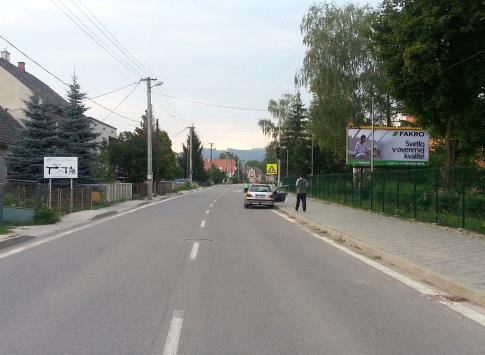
(392, 146)
(60, 167)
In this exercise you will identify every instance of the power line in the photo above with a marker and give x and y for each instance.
(123, 100)
(111, 92)
(85, 29)
(467, 58)
(60, 80)
(215, 105)
(115, 41)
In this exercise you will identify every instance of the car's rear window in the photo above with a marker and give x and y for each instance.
(259, 188)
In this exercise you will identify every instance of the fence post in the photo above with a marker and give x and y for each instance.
(360, 187)
(397, 188)
(37, 197)
(371, 190)
(436, 195)
(384, 192)
(463, 217)
(1, 200)
(414, 197)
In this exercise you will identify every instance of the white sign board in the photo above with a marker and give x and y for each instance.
(60, 167)
(392, 146)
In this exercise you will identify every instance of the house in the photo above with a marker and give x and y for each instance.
(254, 175)
(9, 129)
(17, 86)
(229, 169)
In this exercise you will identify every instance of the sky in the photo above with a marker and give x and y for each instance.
(239, 53)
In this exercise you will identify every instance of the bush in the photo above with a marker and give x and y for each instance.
(46, 216)
(448, 201)
(475, 206)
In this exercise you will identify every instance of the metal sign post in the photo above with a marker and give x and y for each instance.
(61, 168)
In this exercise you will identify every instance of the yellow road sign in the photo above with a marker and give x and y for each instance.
(271, 169)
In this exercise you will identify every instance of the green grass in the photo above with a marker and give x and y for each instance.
(6, 227)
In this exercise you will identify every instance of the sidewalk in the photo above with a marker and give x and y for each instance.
(453, 260)
(72, 220)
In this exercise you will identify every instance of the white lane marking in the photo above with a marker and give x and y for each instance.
(207, 212)
(45, 240)
(457, 307)
(202, 224)
(173, 336)
(195, 250)
(211, 204)
(214, 201)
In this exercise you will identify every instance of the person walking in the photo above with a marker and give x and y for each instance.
(301, 188)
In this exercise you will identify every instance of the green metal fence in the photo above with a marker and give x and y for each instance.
(414, 193)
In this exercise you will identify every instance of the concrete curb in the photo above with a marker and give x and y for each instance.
(5, 243)
(104, 214)
(423, 274)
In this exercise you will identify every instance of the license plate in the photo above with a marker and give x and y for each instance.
(260, 196)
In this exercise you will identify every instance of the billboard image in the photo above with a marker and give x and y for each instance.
(60, 167)
(392, 146)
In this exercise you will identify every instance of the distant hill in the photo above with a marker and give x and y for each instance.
(249, 154)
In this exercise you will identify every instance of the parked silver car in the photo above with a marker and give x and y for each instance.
(263, 195)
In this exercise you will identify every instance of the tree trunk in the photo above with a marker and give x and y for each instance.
(388, 111)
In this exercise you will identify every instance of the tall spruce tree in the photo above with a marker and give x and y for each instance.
(199, 174)
(76, 136)
(38, 139)
(294, 139)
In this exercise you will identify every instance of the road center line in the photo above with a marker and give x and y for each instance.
(211, 205)
(421, 288)
(173, 336)
(207, 212)
(202, 224)
(195, 250)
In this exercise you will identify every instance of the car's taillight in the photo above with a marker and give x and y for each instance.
(249, 195)
(270, 196)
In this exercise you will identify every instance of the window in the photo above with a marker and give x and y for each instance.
(260, 188)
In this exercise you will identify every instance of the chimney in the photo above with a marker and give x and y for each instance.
(5, 55)
(21, 66)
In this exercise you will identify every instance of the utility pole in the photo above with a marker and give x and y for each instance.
(149, 136)
(210, 166)
(191, 172)
(279, 156)
(227, 175)
(372, 142)
(312, 156)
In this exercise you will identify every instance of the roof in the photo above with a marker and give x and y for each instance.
(221, 165)
(9, 127)
(38, 87)
(100, 122)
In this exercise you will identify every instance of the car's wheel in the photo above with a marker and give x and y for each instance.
(246, 205)
(271, 206)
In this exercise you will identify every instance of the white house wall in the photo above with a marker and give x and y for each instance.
(13, 94)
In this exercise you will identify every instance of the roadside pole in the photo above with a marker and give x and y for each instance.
(372, 142)
(71, 199)
(279, 155)
(50, 193)
(190, 153)
(210, 166)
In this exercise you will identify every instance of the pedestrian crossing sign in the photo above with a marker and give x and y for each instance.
(271, 169)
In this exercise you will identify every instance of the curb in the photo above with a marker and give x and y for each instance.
(15, 240)
(104, 214)
(423, 274)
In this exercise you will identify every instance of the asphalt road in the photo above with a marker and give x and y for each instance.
(173, 278)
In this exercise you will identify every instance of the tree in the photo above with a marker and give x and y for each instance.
(37, 140)
(128, 155)
(75, 135)
(199, 174)
(295, 138)
(342, 74)
(432, 51)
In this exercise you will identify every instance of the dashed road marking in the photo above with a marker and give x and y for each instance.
(173, 336)
(195, 250)
(207, 212)
(421, 288)
(211, 204)
(202, 224)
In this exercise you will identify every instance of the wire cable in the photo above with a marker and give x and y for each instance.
(84, 28)
(115, 41)
(215, 105)
(467, 58)
(123, 100)
(113, 91)
(62, 81)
